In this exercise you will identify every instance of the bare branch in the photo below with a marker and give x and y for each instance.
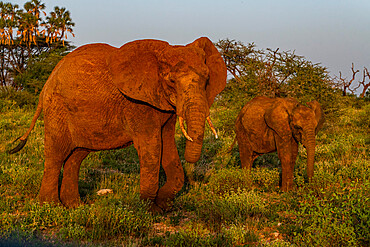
(345, 84)
(363, 82)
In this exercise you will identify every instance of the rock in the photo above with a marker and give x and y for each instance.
(104, 192)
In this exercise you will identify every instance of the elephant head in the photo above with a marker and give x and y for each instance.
(183, 79)
(290, 119)
(305, 123)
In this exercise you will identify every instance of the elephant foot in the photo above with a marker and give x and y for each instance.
(49, 199)
(70, 196)
(287, 188)
(71, 202)
(164, 203)
(155, 209)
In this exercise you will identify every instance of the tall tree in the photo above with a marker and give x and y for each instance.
(26, 33)
(58, 24)
(272, 73)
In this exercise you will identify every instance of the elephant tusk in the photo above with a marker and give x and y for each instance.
(181, 120)
(212, 127)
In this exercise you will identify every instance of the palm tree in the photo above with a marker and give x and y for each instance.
(30, 21)
(58, 24)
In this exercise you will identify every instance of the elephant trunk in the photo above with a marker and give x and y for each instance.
(195, 117)
(310, 147)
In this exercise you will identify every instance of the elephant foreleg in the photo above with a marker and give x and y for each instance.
(287, 153)
(149, 148)
(69, 194)
(171, 165)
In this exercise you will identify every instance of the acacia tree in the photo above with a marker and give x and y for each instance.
(272, 73)
(26, 33)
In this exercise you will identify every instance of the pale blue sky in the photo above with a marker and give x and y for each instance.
(334, 33)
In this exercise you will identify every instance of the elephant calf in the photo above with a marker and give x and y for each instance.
(267, 125)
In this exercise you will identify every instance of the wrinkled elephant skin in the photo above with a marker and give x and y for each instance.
(267, 125)
(100, 97)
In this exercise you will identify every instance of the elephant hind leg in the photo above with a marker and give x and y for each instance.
(49, 185)
(245, 152)
(69, 194)
(54, 159)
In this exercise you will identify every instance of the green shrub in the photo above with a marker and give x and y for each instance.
(108, 220)
(337, 217)
(42, 216)
(9, 97)
(7, 222)
(266, 179)
(240, 235)
(232, 207)
(195, 238)
(229, 179)
(116, 220)
(124, 160)
(6, 104)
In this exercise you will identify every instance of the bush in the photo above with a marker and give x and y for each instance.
(33, 79)
(232, 207)
(229, 180)
(103, 221)
(195, 238)
(240, 235)
(266, 179)
(362, 120)
(336, 217)
(9, 97)
(42, 216)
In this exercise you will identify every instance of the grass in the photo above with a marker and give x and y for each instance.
(220, 204)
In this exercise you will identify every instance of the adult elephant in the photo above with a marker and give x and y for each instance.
(100, 97)
(267, 125)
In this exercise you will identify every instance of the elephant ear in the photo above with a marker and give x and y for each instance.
(135, 72)
(279, 116)
(319, 114)
(216, 66)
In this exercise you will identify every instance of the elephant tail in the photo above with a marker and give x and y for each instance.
(23, 139)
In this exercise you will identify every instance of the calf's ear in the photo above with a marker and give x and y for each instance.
(319, 114)
(277, 118)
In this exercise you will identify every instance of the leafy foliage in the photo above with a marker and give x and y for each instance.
(24, 35)
(272, 73)
(38, 70)
(33, 78)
